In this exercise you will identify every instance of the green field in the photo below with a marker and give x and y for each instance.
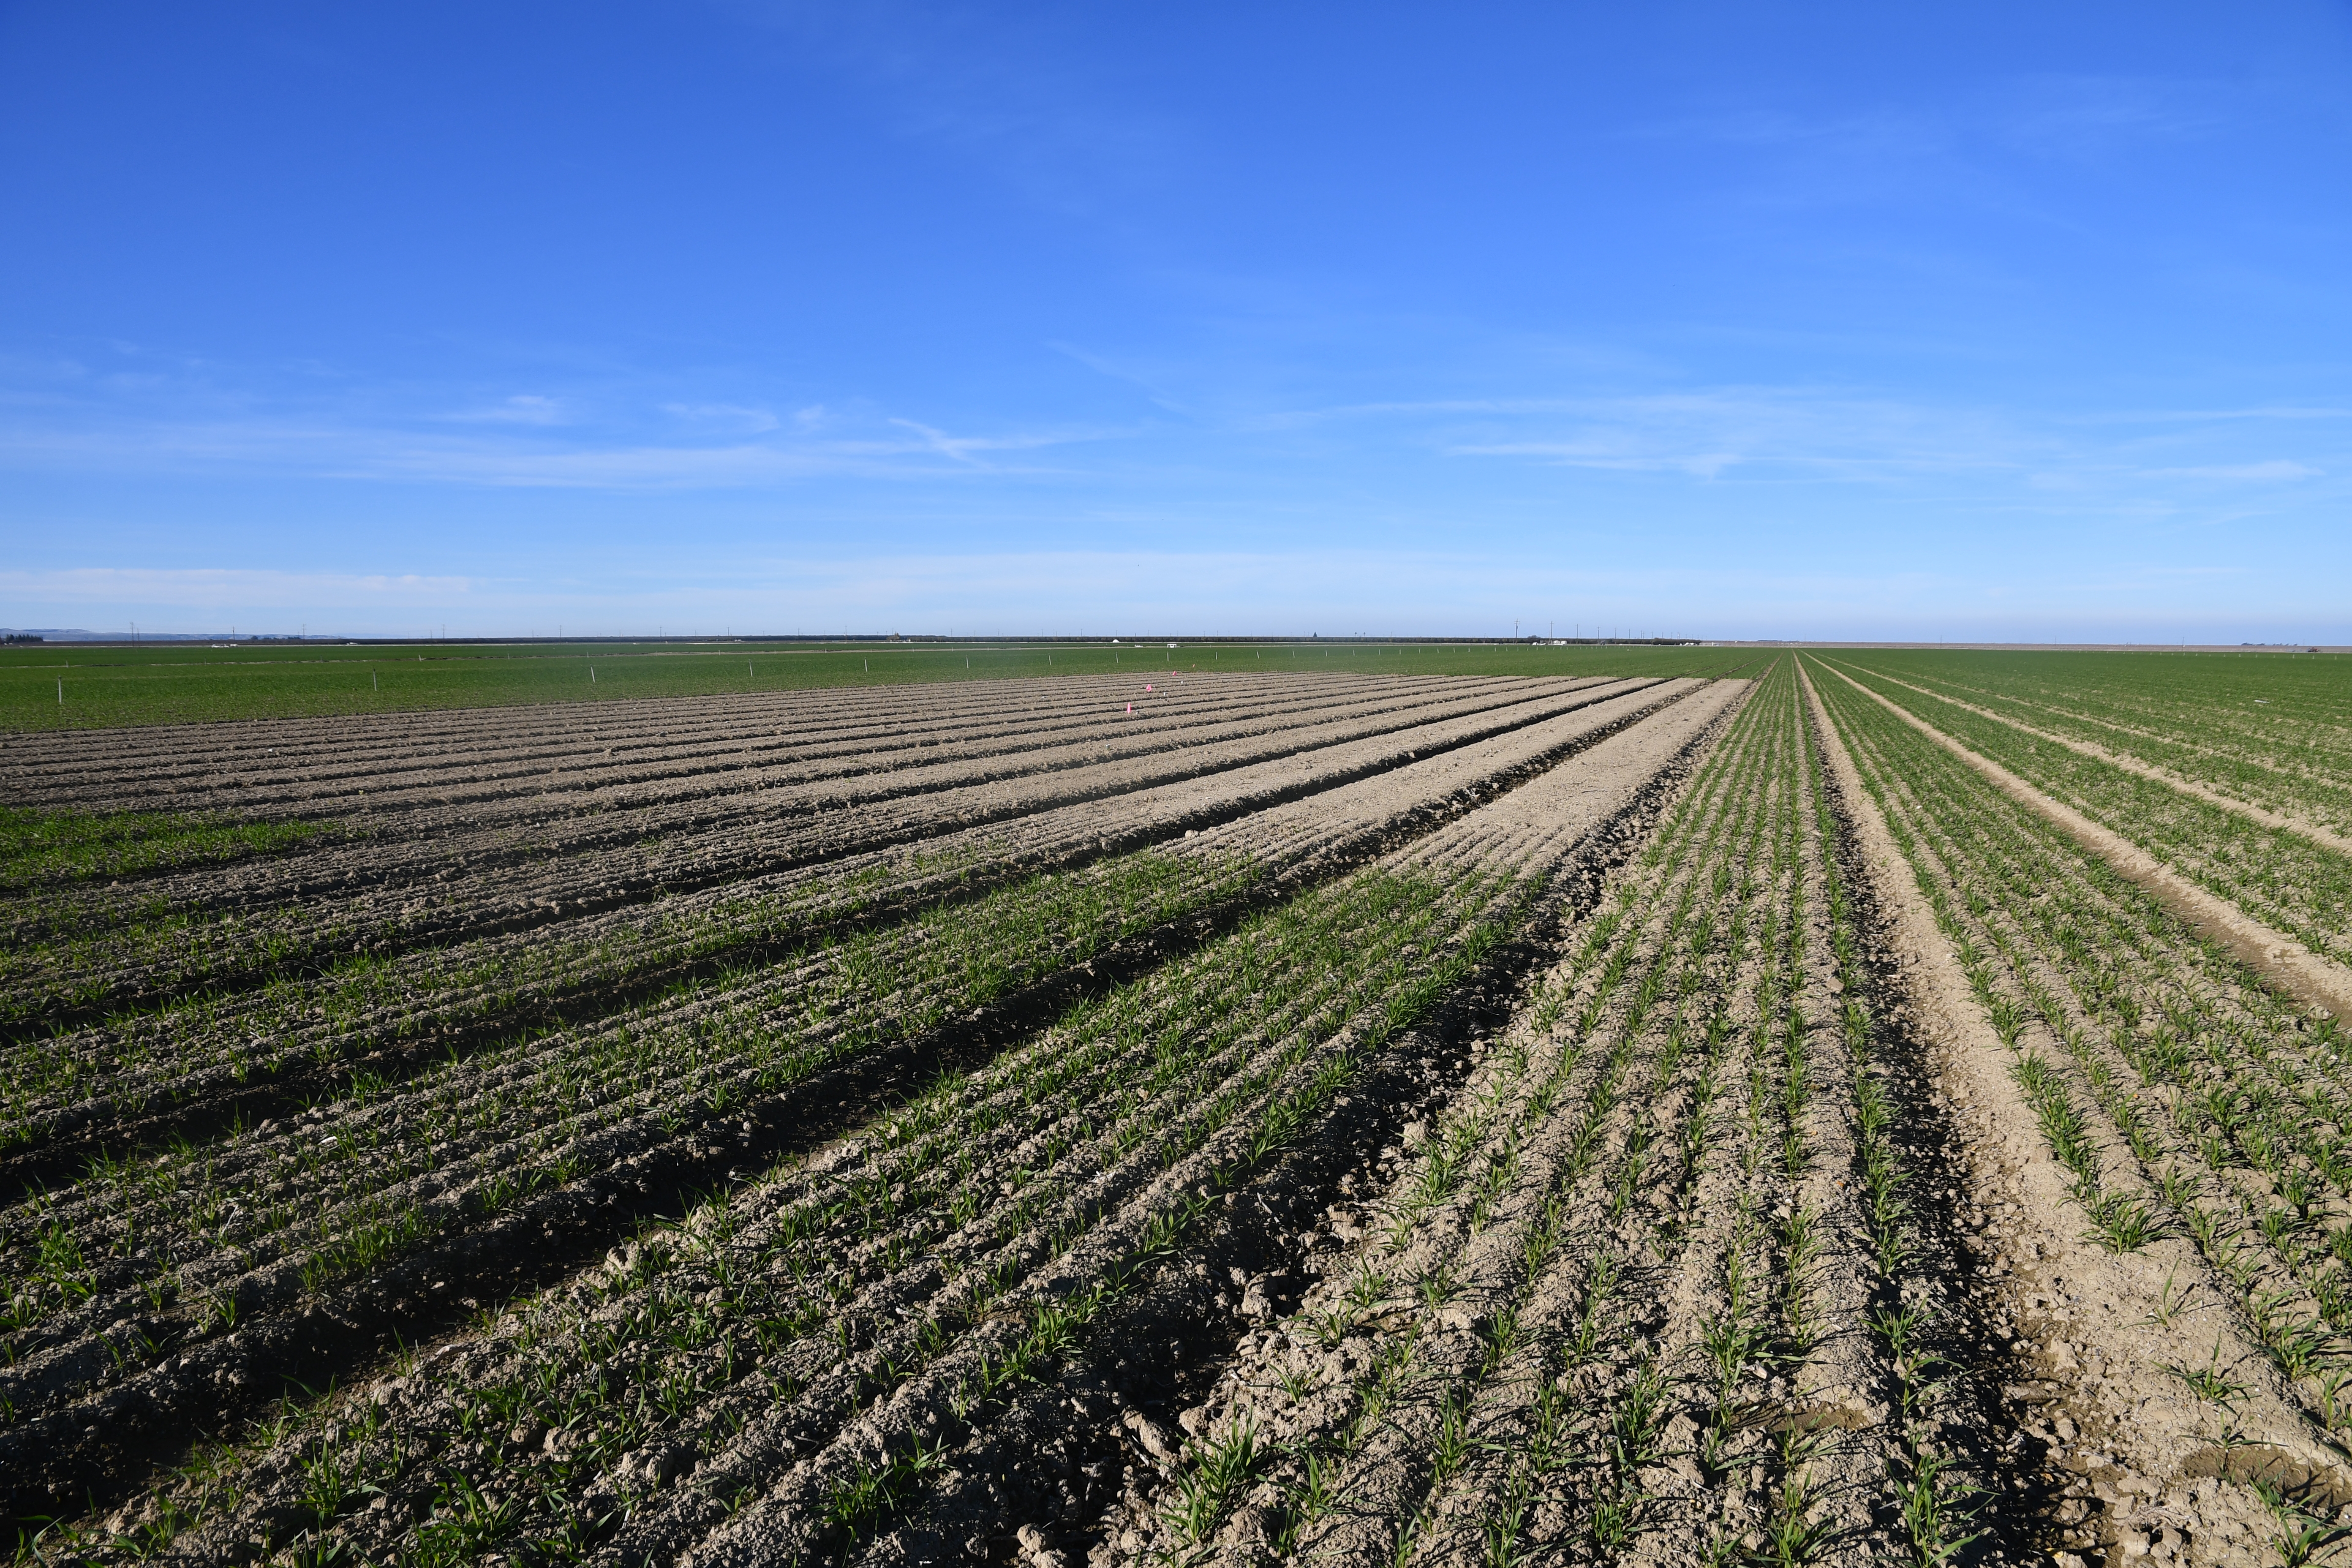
(60, 685)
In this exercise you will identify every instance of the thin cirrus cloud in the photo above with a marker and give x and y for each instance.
(1703, 433)
(228, 587)
(723, 447)
(729, 417)
(641, 443)
(2280, 470)
(2089, 118)
(523, 409)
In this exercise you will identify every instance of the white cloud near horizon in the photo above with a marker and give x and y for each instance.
(1164, 593)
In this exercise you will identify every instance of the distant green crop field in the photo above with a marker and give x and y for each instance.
(2271, 729)
(59, 686)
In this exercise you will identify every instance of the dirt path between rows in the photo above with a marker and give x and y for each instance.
(2103, 1331)
(2314, 981)
(2325, 838)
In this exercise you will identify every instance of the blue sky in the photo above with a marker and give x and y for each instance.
(2011, 321)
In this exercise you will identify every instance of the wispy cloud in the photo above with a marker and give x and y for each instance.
(168, 424)
(1105, 366)
(1013, 94)
(526, 408)
(2275, 471)
(2090, 117)
(1835, 433)
(226, 586)
(730, 417)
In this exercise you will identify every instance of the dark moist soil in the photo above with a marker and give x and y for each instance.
(1060, 1459)
(2021, 1489)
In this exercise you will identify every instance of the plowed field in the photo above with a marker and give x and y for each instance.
(1255, 1117)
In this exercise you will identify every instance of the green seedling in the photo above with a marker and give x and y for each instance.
(2123, 1222)
(2209, 1383)
(1934, 1508)
(1217, 1469)
(2301, 1536)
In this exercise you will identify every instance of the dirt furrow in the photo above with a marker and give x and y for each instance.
(1605, 777)
(420, 1006)
(490, 882)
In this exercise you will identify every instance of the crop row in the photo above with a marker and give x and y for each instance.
(437, 894)
(806, 1347)
(431, 885)
(143, 1262)
(415, 762)
(1636, 1235)
(179, 1278)
(338, 1024)
(2267, 731)
(2183, 1096)
(1373, 1393)
(2282, 879)
(40, 850)
(203, 1235)
(578, 796)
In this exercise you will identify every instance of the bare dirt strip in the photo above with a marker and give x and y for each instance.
(1675, 1122)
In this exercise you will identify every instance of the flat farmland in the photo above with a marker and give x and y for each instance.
(68, 686)
(1733, 1107)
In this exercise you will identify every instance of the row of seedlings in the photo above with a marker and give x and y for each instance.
(2283, 879)
(497, 762)
(183, 1049)
(430, 889)
(2287, 749)
(122, 1278)
(2184, 1096)
(897, 981)
(1491, 864)
(207, 1236)
(1937, 1490)
(1477, 1382)
(809, 1348)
